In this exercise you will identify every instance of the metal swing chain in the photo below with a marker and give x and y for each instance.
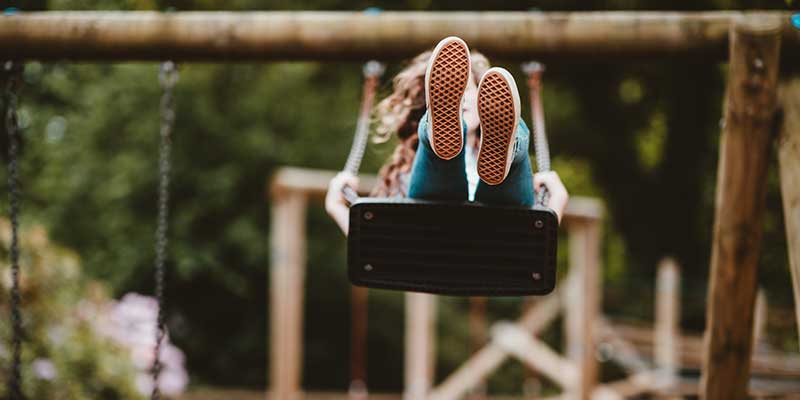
(372, 73)
(14, 80)
(168, 76)
(534, 70)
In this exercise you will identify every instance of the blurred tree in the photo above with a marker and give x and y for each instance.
(640, 135)
(66, 354)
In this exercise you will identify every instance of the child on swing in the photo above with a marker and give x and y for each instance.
(445, 100)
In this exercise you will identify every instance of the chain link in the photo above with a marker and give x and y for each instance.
(168, 77)
(13, 73)
(372, 74)
(534, 70)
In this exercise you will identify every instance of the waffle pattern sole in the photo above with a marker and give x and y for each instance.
(496, 111)
(448, 80)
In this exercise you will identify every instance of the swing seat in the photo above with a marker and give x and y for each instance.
(464, 249)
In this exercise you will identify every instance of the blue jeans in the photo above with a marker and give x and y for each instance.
(433, 178)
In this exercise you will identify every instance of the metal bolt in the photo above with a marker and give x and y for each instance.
(368, 215)
(538, 224)
(368, 267)
(536, 276)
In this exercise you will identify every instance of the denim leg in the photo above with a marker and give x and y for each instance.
(517, 188)
(433, 178)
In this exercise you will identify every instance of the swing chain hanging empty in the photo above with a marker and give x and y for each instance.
(168, 77)
(13, 72)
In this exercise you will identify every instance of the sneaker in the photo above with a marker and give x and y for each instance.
(498, 110)
(445, 82)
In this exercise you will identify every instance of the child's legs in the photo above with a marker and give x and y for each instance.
(517, 188)
(433, 178)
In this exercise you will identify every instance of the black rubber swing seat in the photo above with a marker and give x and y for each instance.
(463, 249)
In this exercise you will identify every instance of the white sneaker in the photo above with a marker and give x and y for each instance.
(445, 82)
(498, 110)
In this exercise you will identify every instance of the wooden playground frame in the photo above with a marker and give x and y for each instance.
(292, 188)
(755, 95)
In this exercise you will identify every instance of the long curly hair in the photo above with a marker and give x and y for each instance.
(398, 115)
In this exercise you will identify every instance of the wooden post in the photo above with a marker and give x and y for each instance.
(287, 275)
(478, 332)
(789, 162)
(583, 304)
(760, 318)
(420, 345)
(667, 324)
(750, 105)
(358, 343)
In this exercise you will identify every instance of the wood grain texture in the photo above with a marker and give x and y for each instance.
(789, 163)
(750, 106)
(287, 281)
(305, 35)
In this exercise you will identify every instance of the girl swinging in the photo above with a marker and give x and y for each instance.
(461, 137)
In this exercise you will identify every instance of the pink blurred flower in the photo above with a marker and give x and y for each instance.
(131, 322)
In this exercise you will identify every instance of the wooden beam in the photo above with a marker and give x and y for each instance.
(420, 345)
(473, 371)
(287, 284)
(623, 351)
(491, 356)
(231, 36)
(765, 361)
(789, 162)
(630, 387)
(667, 322)
(750, 106)
(535, 354)
(314, 184)
(583, 306)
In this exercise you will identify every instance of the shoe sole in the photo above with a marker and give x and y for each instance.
(498, 110)
(445, 82)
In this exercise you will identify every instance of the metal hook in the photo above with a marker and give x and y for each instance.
(374, 69)
(168, 76)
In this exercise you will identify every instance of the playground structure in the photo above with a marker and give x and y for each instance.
(755, 94)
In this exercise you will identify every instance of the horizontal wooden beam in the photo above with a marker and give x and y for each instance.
(305, 35)
(314, 183)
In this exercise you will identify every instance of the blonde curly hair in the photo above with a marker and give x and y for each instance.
(399, 114)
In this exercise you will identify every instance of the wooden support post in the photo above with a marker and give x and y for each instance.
(420, 345)
(531, 385)
(760, 318)
(358, 343)
(583, 305)
(789, 162)
(478, 332)
(667, 324)
(750, 105)
(287, 275)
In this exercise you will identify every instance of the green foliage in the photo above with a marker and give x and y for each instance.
(640, 136)
(64, 358)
